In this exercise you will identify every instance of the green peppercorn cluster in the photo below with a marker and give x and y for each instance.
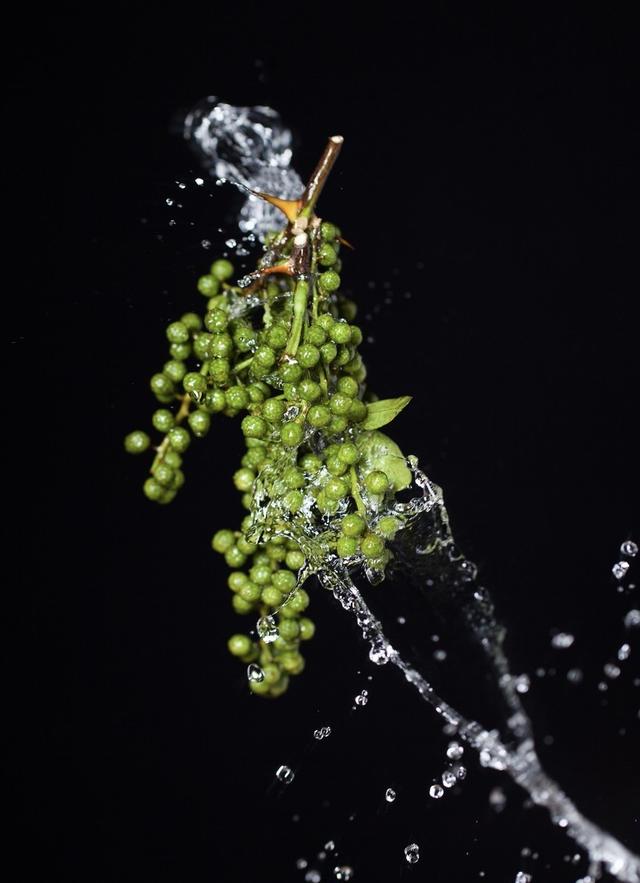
(281, 352)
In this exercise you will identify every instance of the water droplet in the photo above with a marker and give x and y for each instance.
(301, 864)
(231, 243)
(624, 652)
(285, 774)
(440, 655)
(362, 698)
(255, 673)
(436, 791)
(343, 872)
(322, 733)
(330, 845)
(454, 751)
(389, 795)
(522, 683)
(181, 185)
(379, 654)
(412, 853)
(448, 779)
(629, 548)
(497, 799)
(620, 569)
(562, 640)
(461, 772)
(632, 619)
(267, 629)
(611, 670)
(169, 201)
(199, 181)
(206, 244)
(521, 877)
(574, 675)
(312, 876)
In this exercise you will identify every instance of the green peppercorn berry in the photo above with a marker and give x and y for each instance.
(240, 605)
(316, 335)
(293, 500)
(271, 673)
(247, 501)
(265, 357)
(377, 482)
(256, 393)
(219, 371)
(307, 628)
(348, 453)
(289, 629)
(294, 478)
(254, 458)
(328, 351)
(356, 335)
(327, 255)
(250, 592)
(295, 560)
(236, 580)
(180, 351)
(329, 281)
(208, 285)
(353, 525)
(199, 423)
(222, 269)
(291, 372)
(291, 434)
(214, 401)
(328, 231)
(244, 338)
(177, 332)
(136, 442)
(164, 475)
(336, 466)
(271, 596)
(372, 545)
(216, 321)
(245, 546)
(179, 439)
(299, 601)
(275, 553)
(348, 387)
(348, 309)
(318, 416)
(243, 479)
(309, 390)
(336, 488)
(202, 346)
(153, 490)
(234, 557)
(308, 355)
(277, 337)
(292, 662)
(222, 540)
(340, 333)
(279, 688)
(388, 526)
(337, 425)
(273, 410)
(310, 463)
(346, 546)
(284, 581)
(161, 385)
(239, 645)
(192, 321)
(173, 459)
(163, 420)
(254, 427)
(354, 365)
(178, 478)
(340, 404)
(237, 398)
(221, 346)
(357, 411)
(219, 302)
(325, 321)
(260, 574)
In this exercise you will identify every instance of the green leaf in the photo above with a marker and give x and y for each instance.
(378, 451)
(383, 412)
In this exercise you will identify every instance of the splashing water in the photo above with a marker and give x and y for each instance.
(248, 146)
(251, 147)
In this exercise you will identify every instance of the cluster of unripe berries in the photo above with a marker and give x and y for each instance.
(296, 377)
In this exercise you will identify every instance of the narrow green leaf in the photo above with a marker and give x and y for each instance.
(378, 451)
(383, 412)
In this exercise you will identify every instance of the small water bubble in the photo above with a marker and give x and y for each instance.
(497, 799)
(389, 795)
(611, 670)
(574, 675)
(521, 877)
(629, 548)
(412, 853)
(624, 651)
(362, 698)
(448, 779)
(267, 629)
(301, 864)
(343, 872)
(436, 791)
(181, 185)
(312, 876)
(330, 845)
(454, 751)
(440, 655)
(199, 181)
(231, 243)
(206, 244)
(169, 201)
(461, 772)
(562, 640)
(379, 655)
(620, 569)
(255, 673)
(285, 774)
(632, 619)
(522, 683)
(401, 620)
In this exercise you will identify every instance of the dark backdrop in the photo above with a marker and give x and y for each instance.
(487, 181)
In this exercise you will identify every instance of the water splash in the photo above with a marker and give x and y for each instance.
(249, 146)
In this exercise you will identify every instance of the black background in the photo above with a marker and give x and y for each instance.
(489, 171)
